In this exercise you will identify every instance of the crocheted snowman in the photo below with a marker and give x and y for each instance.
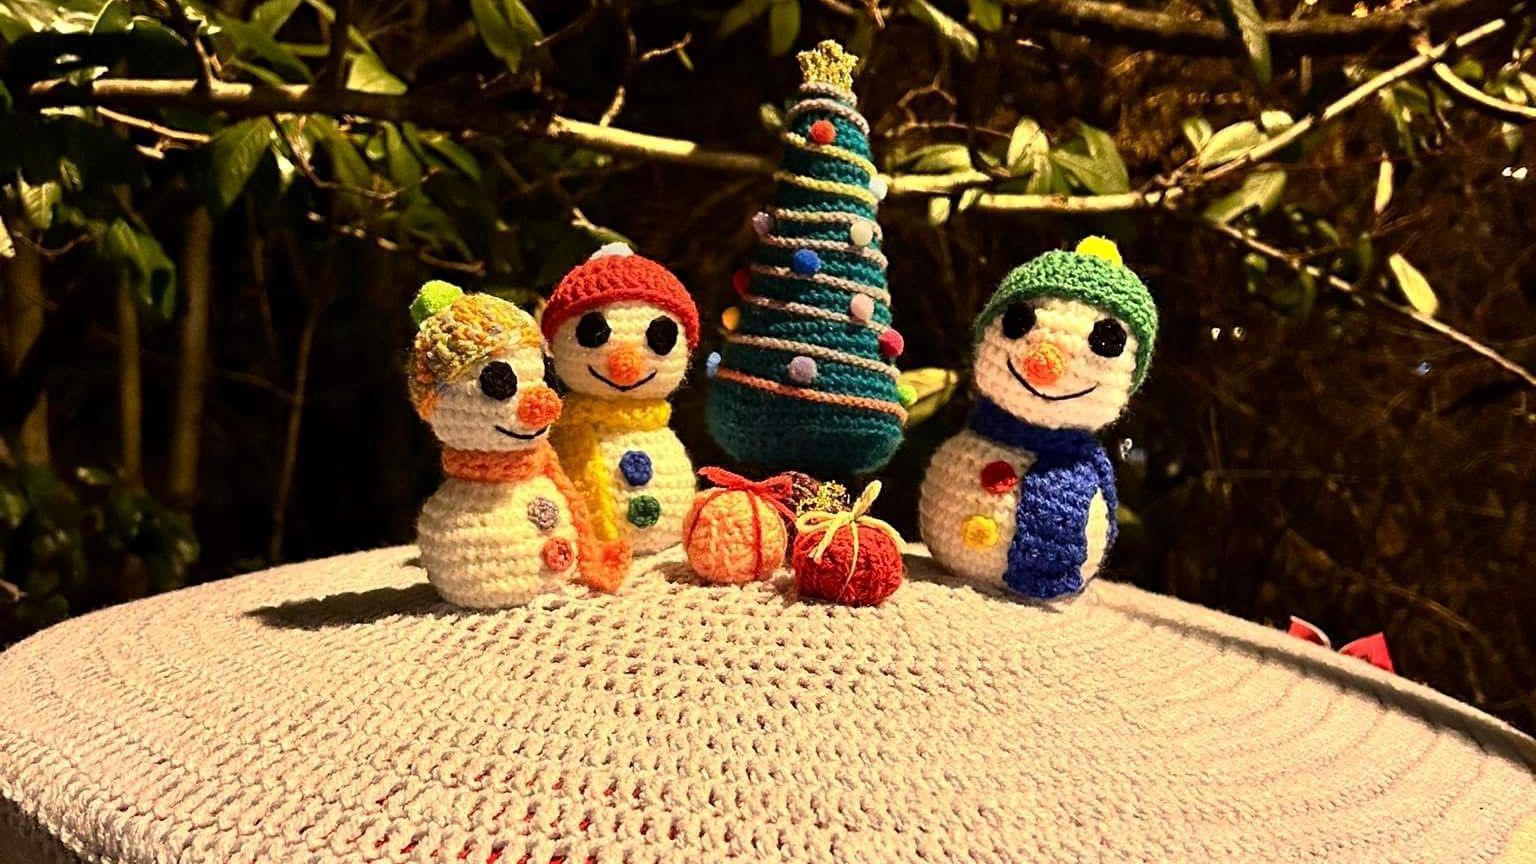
(506, 525)
(620, 328)
(1026, 495)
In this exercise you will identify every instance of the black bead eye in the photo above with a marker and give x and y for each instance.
(592, 330)
(498, 381)
(551, 377)
(1018, 320)
(1107, 338)
(661, 335)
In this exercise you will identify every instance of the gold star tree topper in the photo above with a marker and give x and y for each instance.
(829, 64)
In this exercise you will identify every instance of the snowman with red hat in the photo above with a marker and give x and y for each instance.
(620, 328)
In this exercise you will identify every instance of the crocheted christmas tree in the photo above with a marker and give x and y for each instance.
(807, 377)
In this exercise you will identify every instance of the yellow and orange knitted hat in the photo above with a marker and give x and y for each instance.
(456, 331)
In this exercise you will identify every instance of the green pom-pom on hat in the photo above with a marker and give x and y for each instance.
(434, 297)
(1092, 274)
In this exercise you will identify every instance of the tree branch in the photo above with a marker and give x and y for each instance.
(1295, 264)
(1494, 107)
(331, 76)
(1326, 34)
(1353, 99)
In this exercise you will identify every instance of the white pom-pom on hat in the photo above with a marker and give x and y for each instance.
(617, 248)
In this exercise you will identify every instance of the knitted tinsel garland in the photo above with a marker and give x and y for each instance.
(806, 379)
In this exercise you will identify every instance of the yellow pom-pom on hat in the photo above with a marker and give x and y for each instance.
(1102, 248)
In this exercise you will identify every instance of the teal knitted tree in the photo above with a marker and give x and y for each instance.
(807, 377)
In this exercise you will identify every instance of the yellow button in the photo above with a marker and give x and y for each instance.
(980, 532)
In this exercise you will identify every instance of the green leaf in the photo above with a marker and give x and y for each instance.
(38, 202)
(1229, 143)
(953, 31)
(270, 16)
(1197, 130)
(1413, 285)
(741, 15)
(142, 261)
(938, 210)
(507, 28)
(1383, 186)
(369, 75)
(455, 154)
(92, 475)
(783, 26)
(771, 117)
(932, 389)
(13, 505)
(404, 168)
(5, 98)
(1027, 147)
(113, 18)
(988, 14)
(236, 152)
(1101, 170)
(937, 159)
(346, 163)
(1247, 25)
(7, 246)
(1260, 191)
(247, 40)
(1275, 121)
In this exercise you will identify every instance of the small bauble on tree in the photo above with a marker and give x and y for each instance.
(848, 556)
(807, 377)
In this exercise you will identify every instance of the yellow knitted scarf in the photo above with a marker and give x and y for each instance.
(584, 422)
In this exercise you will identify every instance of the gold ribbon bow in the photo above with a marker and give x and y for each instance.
(831, 523)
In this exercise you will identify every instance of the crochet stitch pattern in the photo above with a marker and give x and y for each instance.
(1026, 496)
(620, 327)
(811, 344)
(334, 711)
(507, 524)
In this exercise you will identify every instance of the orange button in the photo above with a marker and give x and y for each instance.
(557, 553)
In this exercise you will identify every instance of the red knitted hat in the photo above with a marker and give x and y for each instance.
(613, 276)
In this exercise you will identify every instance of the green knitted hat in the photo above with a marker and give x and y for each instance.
(1092, 274)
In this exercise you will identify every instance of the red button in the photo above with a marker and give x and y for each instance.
(998, 477)
(556, 553)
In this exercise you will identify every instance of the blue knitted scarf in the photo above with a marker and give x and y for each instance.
(1050, 542)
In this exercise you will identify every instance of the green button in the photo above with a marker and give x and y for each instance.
(644, 511)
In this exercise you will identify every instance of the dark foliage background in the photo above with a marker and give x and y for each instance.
(1299, 449)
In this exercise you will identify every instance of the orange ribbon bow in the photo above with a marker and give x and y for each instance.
(1372, 649)
(775, 490)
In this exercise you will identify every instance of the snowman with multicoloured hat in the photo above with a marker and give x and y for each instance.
(620, 328)
(1025, 496)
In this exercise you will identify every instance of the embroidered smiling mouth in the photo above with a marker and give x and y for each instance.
(620, 387)
(1046, 396)
(520, 435)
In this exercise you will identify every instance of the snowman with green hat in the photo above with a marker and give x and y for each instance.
(1025, 496)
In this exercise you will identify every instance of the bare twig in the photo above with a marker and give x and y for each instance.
(1353, 99)
(180, 136)
(1325, 34)
(187, 30)
(1297, 265)
(1499, 109)
(474, 268)
(336, 57)
(674, 48)
(574, 28)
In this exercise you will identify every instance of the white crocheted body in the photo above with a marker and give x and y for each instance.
(672, 484)
(953, 495)
(481, 544)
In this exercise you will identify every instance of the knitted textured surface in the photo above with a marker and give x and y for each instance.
(335, 711)
(806, 378)
(734, 536)
(862, 576)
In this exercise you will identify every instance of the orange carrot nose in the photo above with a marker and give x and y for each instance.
(539, 407)
(1045, 364)
(625, 365)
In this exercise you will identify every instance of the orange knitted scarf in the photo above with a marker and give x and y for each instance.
(602, 565)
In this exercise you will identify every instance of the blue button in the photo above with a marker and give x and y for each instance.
(636, 468)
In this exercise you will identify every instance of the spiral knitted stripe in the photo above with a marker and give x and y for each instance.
(810, 350)
(831, 106)
(868, 253)
(811, 311)
(778, 389)
(847, 190)
(828, 217)
(836, 152)
(837, 282)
